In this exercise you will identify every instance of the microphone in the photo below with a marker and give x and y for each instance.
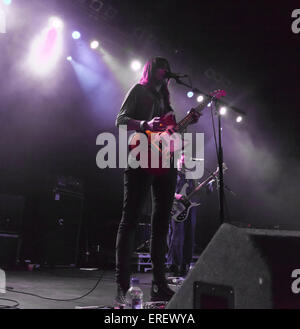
(175, 76)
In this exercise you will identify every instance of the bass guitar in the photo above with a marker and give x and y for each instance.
(182, 202)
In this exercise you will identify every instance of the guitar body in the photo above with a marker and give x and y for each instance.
(181, 207)
(156, 140)
(182, 204)
(157, 155)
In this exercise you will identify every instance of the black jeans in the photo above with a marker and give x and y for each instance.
(137, 184)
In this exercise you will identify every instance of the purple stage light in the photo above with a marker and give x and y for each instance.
(46, 47)
(200, 99)
(69, 58)
(94, 44)
(223, 110)
(76, 35)
(239, 119)
(56, 23)
(136, 65)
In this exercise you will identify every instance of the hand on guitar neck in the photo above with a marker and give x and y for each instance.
(162, 123)
(195, 115)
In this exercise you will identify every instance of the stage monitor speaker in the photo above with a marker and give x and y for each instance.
(244, 268)
(60, 215)
(11, 213)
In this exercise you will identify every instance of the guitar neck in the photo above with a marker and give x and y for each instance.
(188, 119)
(184, 123)
(199, 187)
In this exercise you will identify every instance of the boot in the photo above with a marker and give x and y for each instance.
(160, 291)
(183, 271)
(174, 270)
(120, 299)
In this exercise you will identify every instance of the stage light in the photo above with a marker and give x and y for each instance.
(56, 23)
(190, 94)
(200, 99)
(6, 2)
(239, 119)
(46, 48)
(76, 35)
(94, 44)
(136, 65)
(223, 110)
(2, 21)
(69, 58)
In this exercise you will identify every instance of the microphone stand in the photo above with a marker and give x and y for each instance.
(220, 163)
(220, 148)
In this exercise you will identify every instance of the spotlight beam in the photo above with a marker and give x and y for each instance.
(46, 48)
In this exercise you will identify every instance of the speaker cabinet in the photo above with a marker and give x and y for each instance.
(9, 250)
(11, 213)
(61, 217)
(243, 268)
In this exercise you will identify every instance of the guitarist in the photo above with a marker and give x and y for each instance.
(142, 108)
(181, 236)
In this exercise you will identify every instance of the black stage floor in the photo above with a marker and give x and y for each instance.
(65, 284)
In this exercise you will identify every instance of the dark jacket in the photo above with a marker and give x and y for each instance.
(142, 103)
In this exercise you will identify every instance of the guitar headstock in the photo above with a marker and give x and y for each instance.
(224, 169)
(218, 93)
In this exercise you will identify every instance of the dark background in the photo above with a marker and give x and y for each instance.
(49, 127)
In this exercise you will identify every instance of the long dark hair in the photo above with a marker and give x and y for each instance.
(148, 76)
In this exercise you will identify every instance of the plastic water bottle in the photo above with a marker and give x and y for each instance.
(2, 282)
(134, 295)
(192, 265)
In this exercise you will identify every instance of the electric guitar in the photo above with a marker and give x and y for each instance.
(163, 144)
(182, 204)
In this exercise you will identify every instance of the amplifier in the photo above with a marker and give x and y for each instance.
(60, 219)
(11, 213)
(64, 183)
(10, 245)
